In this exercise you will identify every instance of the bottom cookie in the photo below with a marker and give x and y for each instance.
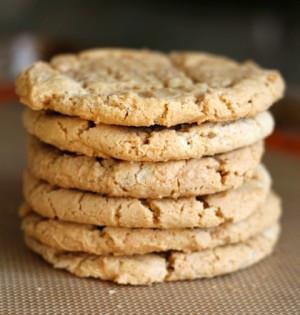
(170, 266)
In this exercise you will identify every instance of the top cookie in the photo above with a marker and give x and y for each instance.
(144, 88)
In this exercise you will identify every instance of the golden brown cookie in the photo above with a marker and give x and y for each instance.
(116, 241)
(144, 88)
(206, 211)
(144, 179)
(146, 144)
(172, 266)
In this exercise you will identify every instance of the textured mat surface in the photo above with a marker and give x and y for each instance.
(28, 285)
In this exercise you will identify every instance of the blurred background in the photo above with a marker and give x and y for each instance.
(268, 33)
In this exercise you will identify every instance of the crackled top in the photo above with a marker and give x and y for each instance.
(119, 241)
(144, 88)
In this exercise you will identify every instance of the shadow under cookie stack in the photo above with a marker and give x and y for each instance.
(145, 167)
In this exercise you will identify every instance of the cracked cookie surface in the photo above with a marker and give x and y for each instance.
(117, 241)
(116, 178)
(153, 268)
(144, 88)
(207, 211)
(146, 144)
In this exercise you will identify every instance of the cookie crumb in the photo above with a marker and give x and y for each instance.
(230, 288)
(112, 291)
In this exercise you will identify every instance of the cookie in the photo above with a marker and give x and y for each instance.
(206, 211)
(146, 144)
(171, 266)
(144, 88)
(144, 179)
(116, 241)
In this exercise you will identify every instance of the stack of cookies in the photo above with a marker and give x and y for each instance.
(145, 167)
